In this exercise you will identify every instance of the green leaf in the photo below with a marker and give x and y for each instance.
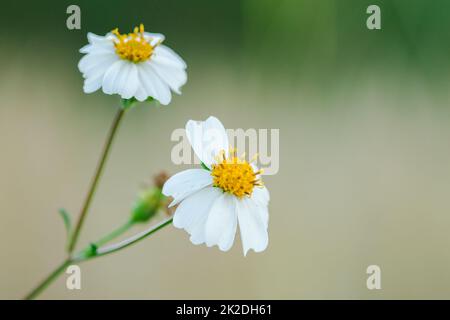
(205, 167)
(67, 221)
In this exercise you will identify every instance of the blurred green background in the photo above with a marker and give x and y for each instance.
(364, 139)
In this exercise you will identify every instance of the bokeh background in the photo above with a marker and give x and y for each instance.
(364, 147)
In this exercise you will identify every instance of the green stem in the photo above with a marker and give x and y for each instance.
(100, 252)
(130, 241)
(95, 179)
(114, 234)
(46, 282)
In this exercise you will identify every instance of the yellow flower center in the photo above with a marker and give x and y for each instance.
(234, 175)
(133, 46)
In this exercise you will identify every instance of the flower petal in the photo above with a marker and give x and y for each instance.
(127, 81)
(96, 39)
(208, 138)
(168, 56)
(192, 213)
(98, 69)
(121, 78)
(141, 95)
(153, 84)
(174, 77)
(221, 223)
(252, 226)
(98, 43)
(261, 195)
(109, 79)
(94, 60)
(93, 83)
(154, 38)
(263, 212)
(185, 183)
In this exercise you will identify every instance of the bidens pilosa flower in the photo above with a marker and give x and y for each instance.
(134, 65)
(228, 191)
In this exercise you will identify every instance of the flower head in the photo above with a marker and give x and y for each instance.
(228, 191)
(134, 65)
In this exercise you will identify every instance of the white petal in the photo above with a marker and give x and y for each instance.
(93, 83)
(153, 84)
(92, 60)
(95, 38)
(253, 229)
(107, 47)
(99, 65)
(154, 38)
(174, 77)
(261, 195)
(192, 213)
(141, 95)
(95, 72)
(97, 43)
(167, 55)
(109, 79)
(127, 81)
(86, 49)
(207, 139)
(185, 183)
(221, 223)
(147, 83)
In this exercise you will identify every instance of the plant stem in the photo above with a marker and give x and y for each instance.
(132, 240)
(115, 233)
(100, 252)
(45, 283)
(95, 179)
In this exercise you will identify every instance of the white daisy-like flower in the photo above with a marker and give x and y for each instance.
(134, 65)
(228, 191)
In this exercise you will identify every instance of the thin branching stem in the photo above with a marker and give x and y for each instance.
(88, 254)
(95, 179)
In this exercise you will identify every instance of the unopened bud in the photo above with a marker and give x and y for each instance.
(148, 204)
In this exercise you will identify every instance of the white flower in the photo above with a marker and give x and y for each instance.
(132, 65)
(213, 202)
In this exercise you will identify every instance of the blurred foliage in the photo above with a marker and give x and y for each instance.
(316, 40)
(185, 23)
(331, 35)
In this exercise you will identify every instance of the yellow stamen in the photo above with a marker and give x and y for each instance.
(234, 175)
(133, 46)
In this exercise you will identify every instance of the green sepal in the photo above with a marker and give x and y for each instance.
(128, 103)
(205, 167)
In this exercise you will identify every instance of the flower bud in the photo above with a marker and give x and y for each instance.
(147, 205)
(150, 201)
